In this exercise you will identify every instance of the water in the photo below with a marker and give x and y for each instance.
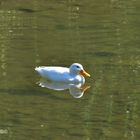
(101, 35)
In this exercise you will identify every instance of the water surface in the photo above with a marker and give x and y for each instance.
(101, 35)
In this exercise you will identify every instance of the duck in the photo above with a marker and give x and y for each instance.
(75, 74)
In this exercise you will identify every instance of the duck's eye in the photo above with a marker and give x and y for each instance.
(77, 67)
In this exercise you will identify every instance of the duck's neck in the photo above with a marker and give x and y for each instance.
(73, 73)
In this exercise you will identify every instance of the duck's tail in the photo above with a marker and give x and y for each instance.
(41, 71)
(36, 68)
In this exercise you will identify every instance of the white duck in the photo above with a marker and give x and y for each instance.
(74, 74)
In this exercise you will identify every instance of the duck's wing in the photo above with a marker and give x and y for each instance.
(54, 73)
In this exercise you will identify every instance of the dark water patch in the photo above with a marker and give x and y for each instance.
(24, 92)
(32, 92)
(26, 10)
(101, 54)
(88, 27)
(104, 54)
(61, 27)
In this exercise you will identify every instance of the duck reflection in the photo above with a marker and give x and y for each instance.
(76, 90)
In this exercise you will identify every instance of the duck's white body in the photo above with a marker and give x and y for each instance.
(74, 74)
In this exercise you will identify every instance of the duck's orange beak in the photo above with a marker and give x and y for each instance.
(84, 73)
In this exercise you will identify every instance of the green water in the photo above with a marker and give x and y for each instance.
(102, 35)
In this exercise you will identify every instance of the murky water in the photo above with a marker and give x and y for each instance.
(102, 35)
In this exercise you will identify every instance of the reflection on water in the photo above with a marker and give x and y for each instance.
(76, 90)
(102, 35)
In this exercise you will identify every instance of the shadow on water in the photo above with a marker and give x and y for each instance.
(31, 92)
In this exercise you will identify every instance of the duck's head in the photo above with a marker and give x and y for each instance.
(77, 68)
